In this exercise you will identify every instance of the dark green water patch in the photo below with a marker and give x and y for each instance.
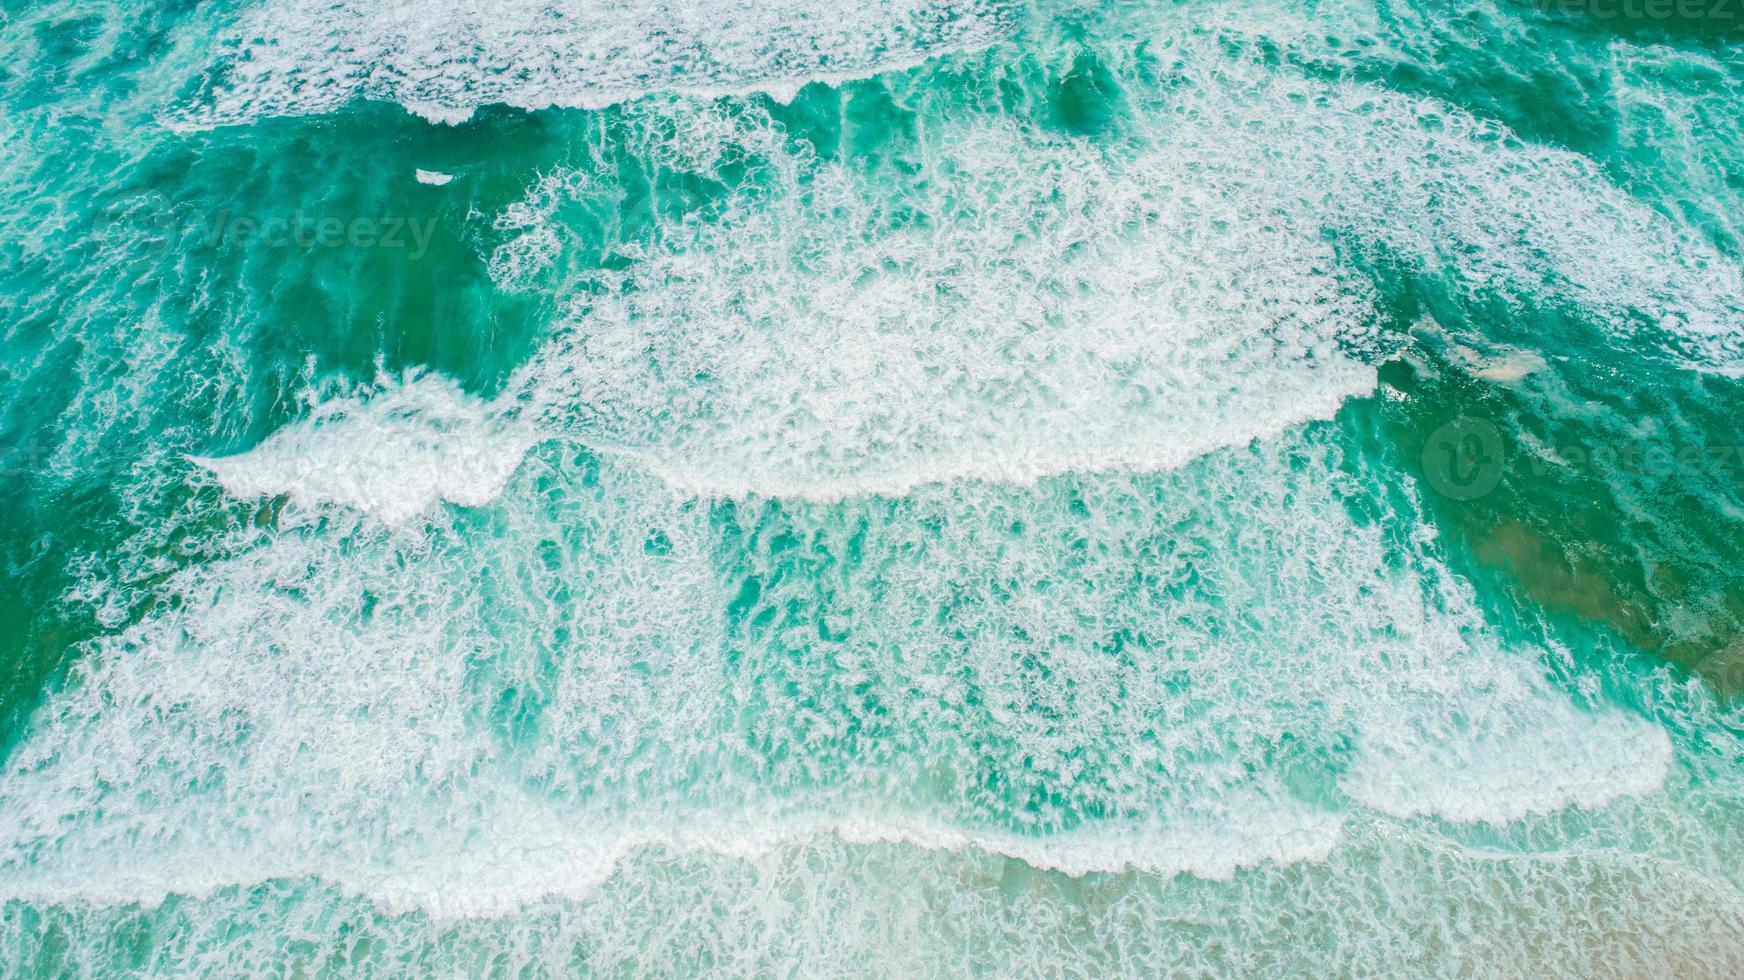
(1609, 493)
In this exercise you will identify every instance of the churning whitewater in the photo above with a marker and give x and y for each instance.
(924, 487)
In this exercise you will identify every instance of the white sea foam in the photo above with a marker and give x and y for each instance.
(544, 861)
(1060, 309)
(1054, 309)
(434, 178)
(1450, 766)
(442, 61)
(463, 723)
(1042, 306)
(394, 453)
(1377, 908)
(1458, 197)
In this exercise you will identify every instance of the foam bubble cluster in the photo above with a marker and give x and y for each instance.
(392, 453)
(442, 61)
(1037, 308)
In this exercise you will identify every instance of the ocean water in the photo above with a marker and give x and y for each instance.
(917, 487)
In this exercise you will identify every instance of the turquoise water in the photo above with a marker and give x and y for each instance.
(917, 487)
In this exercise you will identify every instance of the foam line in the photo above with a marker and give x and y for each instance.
(296, 57)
